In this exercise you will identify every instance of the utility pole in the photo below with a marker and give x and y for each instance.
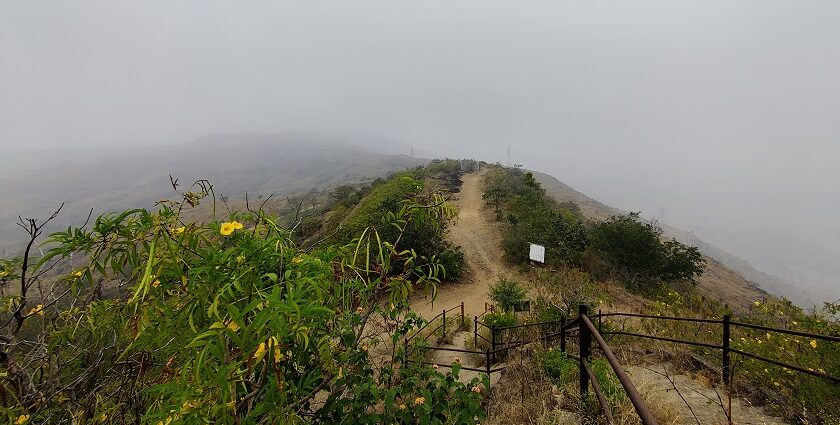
(508, 155)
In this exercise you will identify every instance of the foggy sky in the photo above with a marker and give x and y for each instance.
(721, 116)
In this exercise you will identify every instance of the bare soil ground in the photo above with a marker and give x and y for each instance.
(480, 239)
(694, 401)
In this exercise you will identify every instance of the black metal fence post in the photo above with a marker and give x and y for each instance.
(493, 341)
(600, 329)
(563, 334)
(726, 368)
(585, 342)
(444, 323)
(475, 332)
(487, 360)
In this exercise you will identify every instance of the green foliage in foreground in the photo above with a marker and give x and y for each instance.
(224, 323)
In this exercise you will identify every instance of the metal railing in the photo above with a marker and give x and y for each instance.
(588, 332)
(726, 350)
(442, 325)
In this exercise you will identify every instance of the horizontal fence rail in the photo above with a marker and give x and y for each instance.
(724, 346)
(587, 333)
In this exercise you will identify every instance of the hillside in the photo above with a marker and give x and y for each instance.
(727, 278)
(107, 180)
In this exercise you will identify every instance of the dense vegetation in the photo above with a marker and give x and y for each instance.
(622, 245)
(164, 321)
(352, 209)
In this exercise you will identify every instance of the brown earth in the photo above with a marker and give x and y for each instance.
(480, 238)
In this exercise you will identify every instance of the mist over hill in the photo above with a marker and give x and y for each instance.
(237, 163)
(747, 274)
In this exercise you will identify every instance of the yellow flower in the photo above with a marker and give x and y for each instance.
(419, 400)
(78, 273)
(38, 309)
(233, 326)
(227, 228)
(237, 225)
(156, 283)
(402, 406)
(814, 343)
(259, 353)
(297, 260)
(757, 303)
(476, 389)
(240, 259)
(179, 229)
(278, 356)
(22, 419)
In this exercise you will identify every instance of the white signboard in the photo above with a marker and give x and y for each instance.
(537, 253)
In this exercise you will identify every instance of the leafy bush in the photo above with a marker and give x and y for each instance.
(452, 260)
(636, 248)
(226, 322)
(533, 217)
(558, 366)
(500, 320)
(545, 311)
(424, 236)
(507, 294)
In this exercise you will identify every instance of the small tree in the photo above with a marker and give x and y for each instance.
(507, 294)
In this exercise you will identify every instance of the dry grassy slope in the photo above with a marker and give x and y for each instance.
(720, 280)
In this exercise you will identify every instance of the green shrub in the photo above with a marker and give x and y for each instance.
(545, 311)
(531, 216)
(452, 260)
(500, 320)
(558, 366)
(635, 247)
(507, 294)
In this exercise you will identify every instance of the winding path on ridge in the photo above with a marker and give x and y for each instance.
(480, 240)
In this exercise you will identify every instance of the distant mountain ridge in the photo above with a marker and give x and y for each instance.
(129, 177)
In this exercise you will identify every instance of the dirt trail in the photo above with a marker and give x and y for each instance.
(480, 239)
(690, 401)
